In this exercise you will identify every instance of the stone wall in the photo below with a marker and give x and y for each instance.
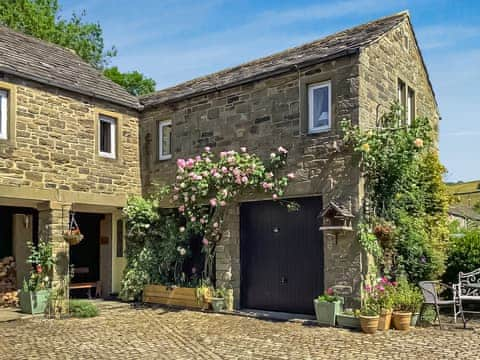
(262, 116)
(53, 147)
(394, 56)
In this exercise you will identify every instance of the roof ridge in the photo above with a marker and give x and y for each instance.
(280, 53)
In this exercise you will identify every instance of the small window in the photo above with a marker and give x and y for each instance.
(402, 100)
(165, 140)
(3, 114)
(120, 238)
(410, 106)
(107, 134)
(319, 107)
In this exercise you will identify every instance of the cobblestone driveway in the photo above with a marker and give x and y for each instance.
(161, 334)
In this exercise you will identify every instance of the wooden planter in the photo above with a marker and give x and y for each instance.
(172, 296)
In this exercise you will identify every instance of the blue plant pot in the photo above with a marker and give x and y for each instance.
(326, 312)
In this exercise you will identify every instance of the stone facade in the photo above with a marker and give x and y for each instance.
(265, 114)
(262, 116)
(50, 160)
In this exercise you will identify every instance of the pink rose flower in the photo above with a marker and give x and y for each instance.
(274, 196)
(244, 179)
(198, 158)
(291, 176)
(224, 170)
(205, 241)
(330, 291)
(243, 149)
(223, 154)
(189, 163)
(193, 219)
(181, 163)
(213, 202)
(215, 224)
(207, 148)
(282, 150)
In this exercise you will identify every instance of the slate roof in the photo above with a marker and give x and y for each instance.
(46, 63)
(464, 212)
(334, 46)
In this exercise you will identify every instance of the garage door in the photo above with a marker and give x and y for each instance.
(281, 256)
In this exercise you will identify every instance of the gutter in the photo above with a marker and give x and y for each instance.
(257, 77)
(73, 89)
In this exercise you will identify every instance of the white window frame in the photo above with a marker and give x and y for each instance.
(4, 114)
(113, 136)
(161, 155)
(311, 88)
(410, 105)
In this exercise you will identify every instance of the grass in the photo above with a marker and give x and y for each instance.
(83, 309)
(466, 199)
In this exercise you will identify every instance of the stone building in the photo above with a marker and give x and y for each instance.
(295, 99)
(55, 159)
(68, 143)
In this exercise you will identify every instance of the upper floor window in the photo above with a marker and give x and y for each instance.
(410, 110)
(319, 107)
(3, 114)
(165, 140)
(107, 136)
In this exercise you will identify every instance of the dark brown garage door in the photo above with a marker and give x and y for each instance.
(281, 256)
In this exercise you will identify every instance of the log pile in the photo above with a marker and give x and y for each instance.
(8, 282)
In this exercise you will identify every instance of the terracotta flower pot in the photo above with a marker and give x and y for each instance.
(385, 320)
(401, 320)
(369, 324)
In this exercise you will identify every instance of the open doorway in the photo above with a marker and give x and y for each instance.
(85, 256)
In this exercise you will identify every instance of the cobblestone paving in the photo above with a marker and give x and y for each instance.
(162, 334)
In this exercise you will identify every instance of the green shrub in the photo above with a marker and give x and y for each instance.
(83, 309)
(463, 254)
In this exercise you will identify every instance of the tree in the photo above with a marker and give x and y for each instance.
(136, 83)
(41, 19)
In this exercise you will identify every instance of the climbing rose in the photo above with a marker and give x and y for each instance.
(243, 149)
(282, 150)
(291, 175)
(181, 163)
(275, 196)
(205, 241)
(189, 163)
(39, 269)
(213, 202)
(418, 143)
(244, 179)
(330, 291)
(207, 148)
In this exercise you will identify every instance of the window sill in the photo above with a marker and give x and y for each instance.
(164, 157)
(319, 131)
(107, 156)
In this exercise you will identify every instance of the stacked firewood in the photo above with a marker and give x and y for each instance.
(8, 280)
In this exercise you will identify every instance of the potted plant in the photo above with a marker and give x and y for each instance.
(349, 319)
(416, 300)
(35, 293)
(204, 295)
(369, 313)
(218, 299)
(402, 314)
(327, 306)
(73, 236)
(385, 290)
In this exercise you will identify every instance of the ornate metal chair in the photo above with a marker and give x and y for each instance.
(430, 291)
(468, 288)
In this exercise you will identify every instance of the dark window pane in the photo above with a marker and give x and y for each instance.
(105, 137)
(120, 238)
(320, 107)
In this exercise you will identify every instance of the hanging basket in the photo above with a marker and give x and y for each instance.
(73, 235)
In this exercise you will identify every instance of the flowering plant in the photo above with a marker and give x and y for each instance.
(42, 260)
(385, 292)
(206, 184)
(329, 296)
(371, 305)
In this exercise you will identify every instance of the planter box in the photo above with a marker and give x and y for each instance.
(348, 321)
(171, 296)
(326, 312)
(34, 302)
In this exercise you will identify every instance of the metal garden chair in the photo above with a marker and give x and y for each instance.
(431, 297)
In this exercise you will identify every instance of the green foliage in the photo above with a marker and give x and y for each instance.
(404, 188)
(463, 254)
(83, 309)
(407, 297)
(156, 249)
(42, 260)
(134, 82)
(476, 207)
(369, 241)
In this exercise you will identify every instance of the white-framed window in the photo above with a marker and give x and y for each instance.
(107, 136)
(165, 140)
(402, 101)
(410, 106)
(3, 114)
(319, 107)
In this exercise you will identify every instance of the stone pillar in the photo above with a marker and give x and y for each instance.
(228, 253)
(53, 220)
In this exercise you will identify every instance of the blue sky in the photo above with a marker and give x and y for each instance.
(173, 41)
